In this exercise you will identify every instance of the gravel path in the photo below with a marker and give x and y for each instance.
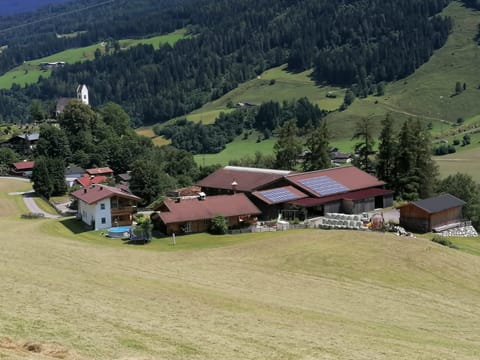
(28, 199)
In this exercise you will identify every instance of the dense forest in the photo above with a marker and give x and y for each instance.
(356, 44)
(14, 6)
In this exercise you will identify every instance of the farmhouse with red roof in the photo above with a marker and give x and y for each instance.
(22, 168)
(194, 215)
(337, 190)
(105, 171)
(101, 206)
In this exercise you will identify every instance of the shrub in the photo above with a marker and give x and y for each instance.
(219, 225)
(33, 215)
(443, 241)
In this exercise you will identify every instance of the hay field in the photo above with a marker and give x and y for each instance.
(293, 295)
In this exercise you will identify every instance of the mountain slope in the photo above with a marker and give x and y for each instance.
(9, 7)
(234, 41)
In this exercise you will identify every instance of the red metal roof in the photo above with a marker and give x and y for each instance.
(99, 171)
(295, 193)
(87, 180)
(247, 179)
(348, 176)
(209, 207)
(24, 165)
(95, 193)
(356, 195)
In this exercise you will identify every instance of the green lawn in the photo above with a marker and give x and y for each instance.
(236, 150)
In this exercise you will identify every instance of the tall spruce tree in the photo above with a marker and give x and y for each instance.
(416, 172)
(426, 167)
(288, 146)
(42, 182)
(317, 145)
(364, 148)
(387, 150)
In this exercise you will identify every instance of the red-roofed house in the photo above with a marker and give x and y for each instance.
(22, 168)
(230, 179)
(344, 189)
(102, 207)
(194, 215)
(86, 181)
(105, 171)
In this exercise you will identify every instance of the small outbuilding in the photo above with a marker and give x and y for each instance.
(432, 214)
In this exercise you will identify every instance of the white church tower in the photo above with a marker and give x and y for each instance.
(82, 94)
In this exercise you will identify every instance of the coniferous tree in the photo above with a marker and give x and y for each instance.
(56, 169)
(387, 150)
(426, 167)
(42, 182)
(53, 143)
(416, 172)
(317, 146)
(364, 148)
(288, 147)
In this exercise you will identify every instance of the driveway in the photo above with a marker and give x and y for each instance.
(28, 199)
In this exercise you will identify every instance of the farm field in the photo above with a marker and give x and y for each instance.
(305, 294)
(465, 162)
(29, 72)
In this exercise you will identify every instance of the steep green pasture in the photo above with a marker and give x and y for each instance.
(427, 94)
(304, 294)
(29, 72)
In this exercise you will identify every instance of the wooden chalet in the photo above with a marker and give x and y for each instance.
(101, 206)
(433, 214)
(182, 216)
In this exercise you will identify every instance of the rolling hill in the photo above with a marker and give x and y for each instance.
(291, 295)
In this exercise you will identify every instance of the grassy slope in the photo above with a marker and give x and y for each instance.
(425, 94)
(29, 72)
(292, 295)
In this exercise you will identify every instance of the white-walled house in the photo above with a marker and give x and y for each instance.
(102, 207)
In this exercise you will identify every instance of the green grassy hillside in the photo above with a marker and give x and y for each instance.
(29, 72)
(307, 294)
(427, 94)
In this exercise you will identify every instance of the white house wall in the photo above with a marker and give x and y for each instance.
(95, 213)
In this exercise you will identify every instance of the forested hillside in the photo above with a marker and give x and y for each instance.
(356, 45)
(9, 7)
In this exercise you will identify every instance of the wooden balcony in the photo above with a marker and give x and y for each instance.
(119, 211)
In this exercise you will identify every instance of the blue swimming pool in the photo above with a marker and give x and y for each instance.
(119, 232)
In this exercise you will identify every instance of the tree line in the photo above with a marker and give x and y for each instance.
(265, 119)
(358, 45)
(89, 138)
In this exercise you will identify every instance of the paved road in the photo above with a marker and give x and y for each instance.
(28, 199)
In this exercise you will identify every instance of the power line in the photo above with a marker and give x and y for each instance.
(56, 16)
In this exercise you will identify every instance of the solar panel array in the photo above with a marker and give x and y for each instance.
(279, 195)
(323, 185)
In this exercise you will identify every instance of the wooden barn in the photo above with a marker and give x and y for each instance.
(432, 214)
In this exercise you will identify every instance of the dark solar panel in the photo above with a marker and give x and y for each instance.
(323, 185)
(279, 195)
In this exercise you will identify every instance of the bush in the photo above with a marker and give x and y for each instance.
(443, 241)
(33, 215)
(219, 225)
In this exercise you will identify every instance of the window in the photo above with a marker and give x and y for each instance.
(103, 221)
(102, 206)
